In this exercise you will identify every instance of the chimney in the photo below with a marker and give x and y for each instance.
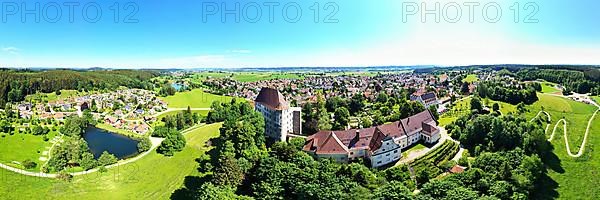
(357, 134)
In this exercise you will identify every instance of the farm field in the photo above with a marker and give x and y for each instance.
(152, 177)
(471, 78)
(246, 76)
(571, 178)
(19, 147)
(195, 99)
(259, 76)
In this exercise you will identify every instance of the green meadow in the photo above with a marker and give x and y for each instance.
(246, 76)
(152, 177)
(570, 178)
(195, 99)
(18, 147)
(470, 78)
(548, 87)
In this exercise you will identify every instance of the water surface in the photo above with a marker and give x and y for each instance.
(100, 140)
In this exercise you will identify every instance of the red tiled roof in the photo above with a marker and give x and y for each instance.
(414, 122)
(457, 169)
(332, 145)
(338, 142)
(429, 129)
(272, 98)
(393, 129)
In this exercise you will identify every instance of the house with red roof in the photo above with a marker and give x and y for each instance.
(380, 144)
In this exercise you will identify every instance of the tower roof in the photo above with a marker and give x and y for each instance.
(272, 98)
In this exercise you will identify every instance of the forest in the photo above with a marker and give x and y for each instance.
(15, 85)
(573, 81)
(510, 93)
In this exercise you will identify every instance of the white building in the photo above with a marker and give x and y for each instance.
(427, 99)
(382, 144)
(280, 118)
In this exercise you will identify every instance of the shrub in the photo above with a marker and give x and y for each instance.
(173, 143)
(28, 164)
(107, 159)
(64, 176)
(144, 144)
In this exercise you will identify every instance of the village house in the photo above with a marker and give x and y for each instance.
(381, 144)
(427, 99)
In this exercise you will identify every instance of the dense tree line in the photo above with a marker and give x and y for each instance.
(384, 108)
(182, 120)
(481, 133)
(222, 111)
(510, 93)
(573, 81)
(15, 85)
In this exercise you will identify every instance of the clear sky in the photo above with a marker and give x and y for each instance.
(194, 33)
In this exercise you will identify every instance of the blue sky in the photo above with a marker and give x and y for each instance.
(361, 33)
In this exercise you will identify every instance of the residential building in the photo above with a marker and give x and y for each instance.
(427, 99)
(381, 144)
(280, 118)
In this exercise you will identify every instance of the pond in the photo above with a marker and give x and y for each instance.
(100, 140)
(178, 87)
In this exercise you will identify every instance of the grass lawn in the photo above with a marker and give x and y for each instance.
(505, 108)
(548, 87)
(174, 112)
(195, 99)
(19, 147)
(574, 178)
(415, 147)
(460, 108)
(152, 177)
(471, 78)
(596, 98)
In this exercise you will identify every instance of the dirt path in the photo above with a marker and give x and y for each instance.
(564, 122)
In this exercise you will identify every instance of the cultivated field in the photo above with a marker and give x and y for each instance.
(246, 76)
(152, 177)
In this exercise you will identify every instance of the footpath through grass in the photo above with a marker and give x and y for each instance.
(195, 99)
(152, 177)
(19, 147)
(570, 178)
